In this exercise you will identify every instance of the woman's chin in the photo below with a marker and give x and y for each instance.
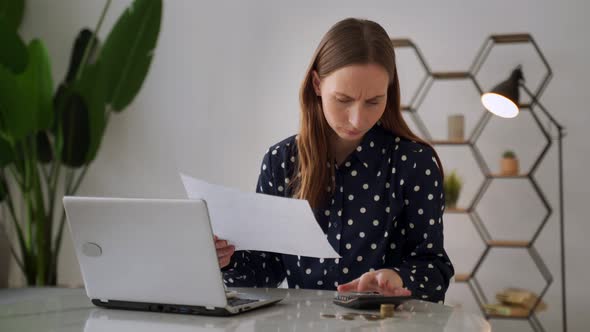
(350, 136)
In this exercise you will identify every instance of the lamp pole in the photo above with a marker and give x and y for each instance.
(560, 136)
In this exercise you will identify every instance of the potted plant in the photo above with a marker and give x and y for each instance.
(49, 137)
(452, 185)
(509, 164)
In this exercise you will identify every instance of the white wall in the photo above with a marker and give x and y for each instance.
(224, 86)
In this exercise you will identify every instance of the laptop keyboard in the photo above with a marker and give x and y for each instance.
(234, 302)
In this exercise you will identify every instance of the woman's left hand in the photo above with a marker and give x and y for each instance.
(385, 281)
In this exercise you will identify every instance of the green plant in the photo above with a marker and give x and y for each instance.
(452, 187)
(509, 154)
(49, 138)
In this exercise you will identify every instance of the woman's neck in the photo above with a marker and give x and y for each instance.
(341, 149)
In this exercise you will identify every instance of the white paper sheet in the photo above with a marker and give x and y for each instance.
(252, 221)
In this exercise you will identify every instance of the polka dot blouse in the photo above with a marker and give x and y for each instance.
(385, 212)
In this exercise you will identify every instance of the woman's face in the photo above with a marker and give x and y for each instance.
(353, 99)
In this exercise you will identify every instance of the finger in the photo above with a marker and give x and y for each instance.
(388, 291)
(220, 244)
(223, 262)
(397, 291)
(367, 283)
(349, 287)
(382, 280)
(227, 251)
(403, 292)
(388, 283)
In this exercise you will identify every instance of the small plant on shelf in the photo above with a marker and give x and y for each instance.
(452, 186)
(509, 164)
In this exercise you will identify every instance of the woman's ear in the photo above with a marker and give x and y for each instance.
(315, 80)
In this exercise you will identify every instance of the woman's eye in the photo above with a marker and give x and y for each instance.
(373, 103)
(343, 101)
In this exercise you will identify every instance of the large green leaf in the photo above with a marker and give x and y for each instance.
(14, 52)
(3, 188)
(37, 82)
(78, 49)
(44, 151)
(74, 130)
(17, 108)
(26, 99)
(11, 12)
(128, 50)
(92, 86)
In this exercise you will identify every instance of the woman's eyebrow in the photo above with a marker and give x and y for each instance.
(340, 94)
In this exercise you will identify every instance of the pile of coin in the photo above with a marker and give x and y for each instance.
(387, 310)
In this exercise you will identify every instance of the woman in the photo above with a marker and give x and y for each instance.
(374, 186)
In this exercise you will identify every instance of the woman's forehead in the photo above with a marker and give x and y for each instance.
(358, 80)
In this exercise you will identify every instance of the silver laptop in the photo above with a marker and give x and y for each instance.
(151, 255)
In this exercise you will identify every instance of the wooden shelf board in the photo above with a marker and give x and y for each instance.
(401, 42)
(514, 315)
(502, 176)
(462, 277)
(449, 142)
(524, 106)
(508, 243)
(512, 38)
(456, 210)
(450, 75)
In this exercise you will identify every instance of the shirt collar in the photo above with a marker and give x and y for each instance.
(372, 145)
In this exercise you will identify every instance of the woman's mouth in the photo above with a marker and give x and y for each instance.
(352, 132)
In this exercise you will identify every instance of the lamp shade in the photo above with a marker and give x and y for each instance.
(502, 100)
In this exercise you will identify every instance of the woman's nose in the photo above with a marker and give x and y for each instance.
(355, 116)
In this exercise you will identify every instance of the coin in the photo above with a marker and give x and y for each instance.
(371, 317)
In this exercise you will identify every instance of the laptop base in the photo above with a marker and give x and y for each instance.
(180, 308)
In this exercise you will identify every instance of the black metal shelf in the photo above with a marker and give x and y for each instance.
(413, 108)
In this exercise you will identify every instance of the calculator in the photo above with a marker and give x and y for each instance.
(367, 300)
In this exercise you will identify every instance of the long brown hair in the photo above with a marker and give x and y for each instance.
(348, 42)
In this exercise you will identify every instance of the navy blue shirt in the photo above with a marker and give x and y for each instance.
(385, 212)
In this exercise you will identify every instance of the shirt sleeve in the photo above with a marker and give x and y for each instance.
(249, 268)
(425, 268)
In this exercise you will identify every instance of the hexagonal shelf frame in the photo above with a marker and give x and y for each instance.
(419, 95)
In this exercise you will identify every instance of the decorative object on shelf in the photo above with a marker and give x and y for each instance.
(456, 126)
(515, 302)
(505, 90)
(509, 164)
(49, 138)
(452, 187)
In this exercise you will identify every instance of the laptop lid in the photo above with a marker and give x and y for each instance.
(146, 250)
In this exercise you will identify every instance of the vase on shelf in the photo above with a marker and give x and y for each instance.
(509, 164)
(456, 127)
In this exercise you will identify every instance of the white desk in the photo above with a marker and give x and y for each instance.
(62, 309)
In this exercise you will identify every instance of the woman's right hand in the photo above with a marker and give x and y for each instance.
(224, 251)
